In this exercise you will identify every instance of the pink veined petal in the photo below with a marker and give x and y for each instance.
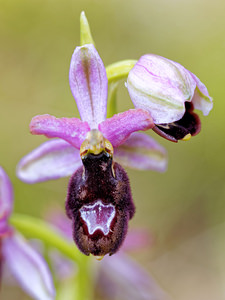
(89, 84)
(6, 197)
(118, 128)
(141, 152)
(201, 98)
(29, 268)
(72, 130)
(162, 86)
(122, 278)
(51, 160)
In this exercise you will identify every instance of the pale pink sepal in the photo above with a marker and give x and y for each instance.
(51, 160)
(89, 84)
(72, 130)
(201, 98)
(118, 128)
(138, 239)
(141, 152)
(28, 267)
(123, 278)
(162, 87)
(6, 197)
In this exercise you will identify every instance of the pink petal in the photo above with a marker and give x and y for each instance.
(201, 98)
(156, 85)
(29, 268)
(162, 86)
(71, 130)
(122, 278)
(118, 128)
(89, 84)
(138, 239)
(51, 160)
(141, 152)
(6, 197)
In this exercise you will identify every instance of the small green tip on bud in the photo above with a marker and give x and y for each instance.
(85, 32)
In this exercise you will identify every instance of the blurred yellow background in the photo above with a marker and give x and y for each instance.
(184, 208)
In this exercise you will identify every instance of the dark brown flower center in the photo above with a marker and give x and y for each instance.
(100, 204)
(189, 125)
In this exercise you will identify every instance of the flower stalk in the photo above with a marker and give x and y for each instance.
(119, 70)
(112, 96)
(32, 227)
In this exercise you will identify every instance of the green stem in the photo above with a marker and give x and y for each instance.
(35, 228)
(84, 282)
(119, 70)
(111, 104)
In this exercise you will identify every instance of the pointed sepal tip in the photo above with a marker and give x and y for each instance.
(85, 31)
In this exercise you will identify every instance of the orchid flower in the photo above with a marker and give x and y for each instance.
(99, 199)
(169, 92)
(27, 265)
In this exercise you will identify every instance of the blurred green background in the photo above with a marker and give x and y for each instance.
(183, 208)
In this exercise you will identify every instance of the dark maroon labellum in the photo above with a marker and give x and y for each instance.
(189, 124)
(100, 204)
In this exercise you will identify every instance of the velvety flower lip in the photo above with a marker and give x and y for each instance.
(162, 86)
(27, 266)
(119, 276)
(100, 204)
(98, 216)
